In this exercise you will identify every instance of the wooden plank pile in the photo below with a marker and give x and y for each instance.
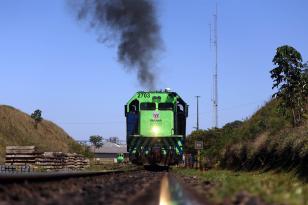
(49, 161)
(21, 155)
(76, 161)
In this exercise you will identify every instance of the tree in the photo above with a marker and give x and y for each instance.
(306, 79)
(37, 117)
(96, 141)
(290, 81)
(233, 125)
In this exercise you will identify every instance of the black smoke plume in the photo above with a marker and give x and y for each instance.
(133, 24)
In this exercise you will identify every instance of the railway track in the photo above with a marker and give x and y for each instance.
(48, 176)
(174, 192)
(104, 187)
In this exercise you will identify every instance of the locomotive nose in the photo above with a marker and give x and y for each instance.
(155, 130)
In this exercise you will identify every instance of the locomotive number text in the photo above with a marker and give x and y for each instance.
(143, 95)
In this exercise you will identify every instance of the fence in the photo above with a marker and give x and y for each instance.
(15, 168)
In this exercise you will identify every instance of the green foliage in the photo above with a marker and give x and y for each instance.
(232, 125)
(87, 152)
(96, 141)
(213, 140)
(83, 149)
(306, 78)
(37, 117)
(290, 80)
(76, 147)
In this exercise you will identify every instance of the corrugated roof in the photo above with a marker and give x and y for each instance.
(110, 147)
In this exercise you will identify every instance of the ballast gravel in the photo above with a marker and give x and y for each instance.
(111, 189)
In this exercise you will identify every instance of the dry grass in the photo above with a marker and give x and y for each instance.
(17, 128)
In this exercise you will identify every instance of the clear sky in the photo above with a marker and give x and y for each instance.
(51, 62)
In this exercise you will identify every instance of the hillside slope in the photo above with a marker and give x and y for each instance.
(267, 140)
(17, 128)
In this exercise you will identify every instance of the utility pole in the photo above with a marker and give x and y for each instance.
(197, 126)
(215, 75)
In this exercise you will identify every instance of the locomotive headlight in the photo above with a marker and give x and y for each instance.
(155, 130)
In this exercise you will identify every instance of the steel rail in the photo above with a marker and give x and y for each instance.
(52, 176)
(173, 191)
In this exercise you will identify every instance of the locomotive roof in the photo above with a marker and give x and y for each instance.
(166, 96)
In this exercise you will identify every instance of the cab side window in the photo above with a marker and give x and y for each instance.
(147, 106)
(134, 106)
(165, 106)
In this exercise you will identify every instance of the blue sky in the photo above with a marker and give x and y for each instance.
(51, 62)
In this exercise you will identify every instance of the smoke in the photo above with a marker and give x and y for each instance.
(134, 27)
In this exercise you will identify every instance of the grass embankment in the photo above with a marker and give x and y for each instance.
(278, 188)
(17, 128)
(265, 141)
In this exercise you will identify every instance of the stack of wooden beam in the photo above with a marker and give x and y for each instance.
(76, 161)
(51, 161)
(21, 155)
(59, 160)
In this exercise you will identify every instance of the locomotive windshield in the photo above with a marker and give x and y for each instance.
(147, 106)
(165, 106)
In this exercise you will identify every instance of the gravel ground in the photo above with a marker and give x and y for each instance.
(140, 187)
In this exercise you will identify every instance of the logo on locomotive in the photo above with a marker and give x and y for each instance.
(155, 115)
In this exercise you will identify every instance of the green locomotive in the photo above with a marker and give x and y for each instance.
(156, 127)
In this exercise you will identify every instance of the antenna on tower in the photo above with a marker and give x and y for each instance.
(210, 27)
(215, 74)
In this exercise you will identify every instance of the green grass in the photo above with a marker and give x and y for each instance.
(281, 188)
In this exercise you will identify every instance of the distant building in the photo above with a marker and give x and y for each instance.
(109, 151)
